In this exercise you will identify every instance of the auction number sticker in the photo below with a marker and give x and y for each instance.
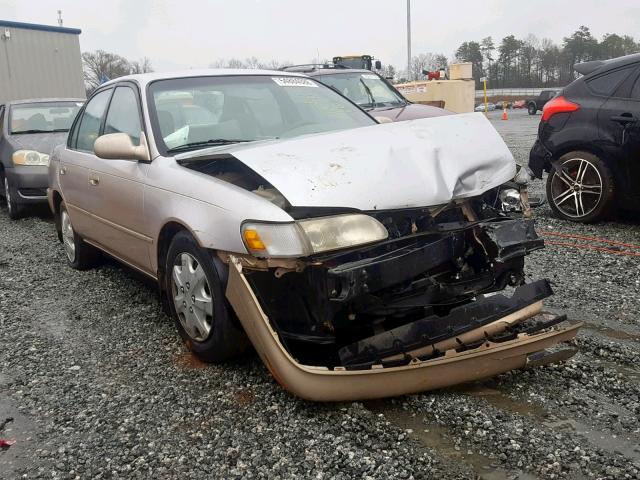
(294, 82)
(369, 76)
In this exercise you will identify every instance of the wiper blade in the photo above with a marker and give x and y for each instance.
(205, 143)
(33, 130)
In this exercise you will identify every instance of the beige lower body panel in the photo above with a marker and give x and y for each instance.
(323, 384)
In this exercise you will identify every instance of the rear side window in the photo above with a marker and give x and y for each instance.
(89, 127)
(606, 84)
(123, 116)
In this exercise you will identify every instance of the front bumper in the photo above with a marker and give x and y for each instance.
(30, 183)
(481, 358)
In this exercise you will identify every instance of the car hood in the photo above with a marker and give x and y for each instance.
(410, 111)
(416, 163)
(41, 142)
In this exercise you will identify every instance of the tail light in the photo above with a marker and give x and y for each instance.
(558, 105)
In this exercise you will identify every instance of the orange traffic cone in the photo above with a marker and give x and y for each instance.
(504, 114)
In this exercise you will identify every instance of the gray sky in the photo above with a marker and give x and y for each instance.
(193, 33)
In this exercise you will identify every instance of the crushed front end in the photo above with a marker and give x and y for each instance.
(417, 311)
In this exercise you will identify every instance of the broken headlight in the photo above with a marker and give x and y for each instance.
(315, 235)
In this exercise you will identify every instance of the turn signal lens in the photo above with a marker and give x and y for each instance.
(275, 240)
(253, 241)
(558, 105)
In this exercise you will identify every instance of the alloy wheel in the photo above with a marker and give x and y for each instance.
(68, 237)
(576, 188)
(192, 297)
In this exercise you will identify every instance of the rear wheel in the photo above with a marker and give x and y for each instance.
(197, 302)
(532, 109)
(580, 187)
(80, 255)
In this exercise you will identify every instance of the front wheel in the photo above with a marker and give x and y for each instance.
(14, 209)
(197, 303)
(580, 187)
(532, 109)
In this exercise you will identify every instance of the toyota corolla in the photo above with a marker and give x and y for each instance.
(360, 259)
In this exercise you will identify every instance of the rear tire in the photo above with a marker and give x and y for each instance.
(580, 187)
(80, 255)
(193, 285)
(532, 109)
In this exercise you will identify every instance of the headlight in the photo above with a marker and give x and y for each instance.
(30, 157)
(314, 235)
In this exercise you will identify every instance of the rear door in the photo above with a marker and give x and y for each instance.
(78, 160)
(619, 124)
(118, 186)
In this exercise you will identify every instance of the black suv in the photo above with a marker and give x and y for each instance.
(589, 141)
(538, 103)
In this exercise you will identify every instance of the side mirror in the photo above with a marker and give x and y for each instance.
(378, 64)
(383, 119)
(118, 146)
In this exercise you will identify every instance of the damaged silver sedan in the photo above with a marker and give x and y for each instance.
(361, 260)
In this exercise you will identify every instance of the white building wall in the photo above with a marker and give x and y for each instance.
(38, 63)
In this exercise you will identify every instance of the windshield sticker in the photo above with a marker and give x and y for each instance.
(369, 76)
(294, 82)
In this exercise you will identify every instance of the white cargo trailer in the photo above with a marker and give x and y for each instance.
(39, 61)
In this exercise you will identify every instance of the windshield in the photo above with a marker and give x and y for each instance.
(43, 117)
(367, 90)
(189, 113)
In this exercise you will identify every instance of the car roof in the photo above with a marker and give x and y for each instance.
(146, 78)
(587, 68)
(317, 71)
(45, 100)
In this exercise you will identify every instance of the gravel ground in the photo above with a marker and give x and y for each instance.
(99, 386)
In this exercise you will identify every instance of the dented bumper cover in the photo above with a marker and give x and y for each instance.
(340, 384)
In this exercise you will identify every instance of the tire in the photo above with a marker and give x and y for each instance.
(80, 255)
(14, 209)
(580, 187)
(532, 109)
(195, 294)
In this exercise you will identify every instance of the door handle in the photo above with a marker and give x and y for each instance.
(63, 170)
(94, 180)
(623, 118)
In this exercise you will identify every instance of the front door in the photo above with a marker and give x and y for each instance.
(619, 125)
(118, 187)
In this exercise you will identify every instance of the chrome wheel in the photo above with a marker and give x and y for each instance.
(7, 194)
(192, 297)
(576, 188)
(68, 237)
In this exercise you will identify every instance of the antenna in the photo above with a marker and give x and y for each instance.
(59, 18)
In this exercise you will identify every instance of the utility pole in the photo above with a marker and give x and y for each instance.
(409, 40)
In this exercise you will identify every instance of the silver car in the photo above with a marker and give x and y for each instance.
(356, 257)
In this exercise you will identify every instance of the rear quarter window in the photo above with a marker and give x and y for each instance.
(607, 83)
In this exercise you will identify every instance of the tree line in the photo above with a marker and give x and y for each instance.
(101, 66)
(531, 62)
(514, 62)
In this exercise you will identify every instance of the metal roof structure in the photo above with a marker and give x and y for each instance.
(42, 28)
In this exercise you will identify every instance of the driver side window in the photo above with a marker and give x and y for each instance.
(124, 116)
(89, 125)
